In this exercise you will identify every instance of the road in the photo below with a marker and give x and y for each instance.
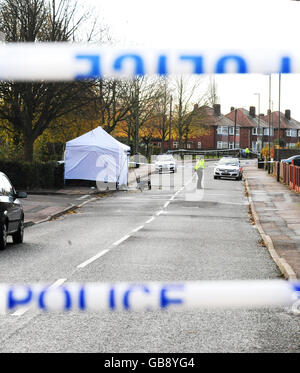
(154, 235)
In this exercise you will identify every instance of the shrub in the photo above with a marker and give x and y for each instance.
(33, 175)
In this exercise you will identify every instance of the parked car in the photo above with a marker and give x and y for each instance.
(11, 212)
(228, 167)
(165, 162)
(295, 158)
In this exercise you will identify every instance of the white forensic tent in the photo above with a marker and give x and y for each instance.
(97, 156)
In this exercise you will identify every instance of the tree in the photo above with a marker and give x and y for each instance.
(185, 119)
(140, 100)
(212, 94)
(30, 108)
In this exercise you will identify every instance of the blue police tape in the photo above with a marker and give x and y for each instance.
(66, 61)
(100, 297)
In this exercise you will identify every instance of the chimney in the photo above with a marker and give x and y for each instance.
(196, 107)
(261, 115)
(217, 109)
(288, 114)
(232, 108)
(252, 111)
(269, 111)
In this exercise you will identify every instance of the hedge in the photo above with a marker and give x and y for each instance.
(33, 175)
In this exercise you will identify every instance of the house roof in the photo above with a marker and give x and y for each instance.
(244, 119)
(284, 122)
(212, 119)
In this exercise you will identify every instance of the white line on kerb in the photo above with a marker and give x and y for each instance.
(166, 204)
(121, 240)
(92, 259)
(159, 213)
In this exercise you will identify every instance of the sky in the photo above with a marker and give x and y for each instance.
(216, 24)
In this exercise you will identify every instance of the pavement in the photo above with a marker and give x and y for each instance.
(276, 213)
(42, 205)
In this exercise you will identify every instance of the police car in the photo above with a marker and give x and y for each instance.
(228, 167)
(165, 162)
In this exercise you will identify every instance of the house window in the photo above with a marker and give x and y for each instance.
(290, 145)
(231, 145)
(188, 145)
(175, 144)
(254, 146)
(298, 133)
(199, 145)
(222, 130)
(291, 133)
(231, 131)
(254, 131)
(266, 131)
(219, 144)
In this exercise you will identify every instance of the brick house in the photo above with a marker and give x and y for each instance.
(250, 130)
(253, 127)
(215, 127)
(289, 128)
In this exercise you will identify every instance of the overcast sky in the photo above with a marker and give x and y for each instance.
(213, 23)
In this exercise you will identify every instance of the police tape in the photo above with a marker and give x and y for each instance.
(71, 61)
(152, 296)
(266, 162)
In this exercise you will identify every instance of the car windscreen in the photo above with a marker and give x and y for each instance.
(165, 158)
(228, 163)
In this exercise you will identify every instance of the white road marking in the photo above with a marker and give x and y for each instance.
(166, 204)
(137, 229)
(159, 213)
(58, 283)
(22, 310)
(82, 197)
(121, 240)
(150, 220)
(92, 259)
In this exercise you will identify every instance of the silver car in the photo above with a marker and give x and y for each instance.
(165, 162)
(228, 167)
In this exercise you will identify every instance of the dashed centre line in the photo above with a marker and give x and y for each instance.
(92, 259)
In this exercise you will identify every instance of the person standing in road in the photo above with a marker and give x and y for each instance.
(199, 168)
(247, 151)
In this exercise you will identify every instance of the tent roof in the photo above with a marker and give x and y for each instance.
(99, 138)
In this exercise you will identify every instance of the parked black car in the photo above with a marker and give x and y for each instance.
(11, 212)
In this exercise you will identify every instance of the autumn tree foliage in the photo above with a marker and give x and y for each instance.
(29, 109)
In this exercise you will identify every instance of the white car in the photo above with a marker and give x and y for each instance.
(228, 167)
(165, 162)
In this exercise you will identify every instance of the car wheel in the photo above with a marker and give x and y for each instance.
(215, 177)
(19, 235)
(3, 236)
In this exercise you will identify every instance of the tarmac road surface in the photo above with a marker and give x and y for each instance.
(154, 235)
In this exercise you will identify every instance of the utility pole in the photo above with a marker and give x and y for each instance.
(235, 115)
(137, 123)
(170, 123)
(278, 150)
(269, 117)
(259, 129)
